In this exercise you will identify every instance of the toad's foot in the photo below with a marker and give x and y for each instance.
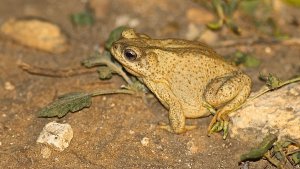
(169, 128)
(219, 122)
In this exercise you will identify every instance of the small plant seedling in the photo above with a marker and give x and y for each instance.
(261, 150)
(225, 11)
(240, 58)
(106, 66)
(278, 153)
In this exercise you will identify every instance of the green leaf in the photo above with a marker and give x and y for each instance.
(82, 18)
(114, 36)
(263, 147)
(70, 102)
(245, 59)
(215, 25)
(296, 157)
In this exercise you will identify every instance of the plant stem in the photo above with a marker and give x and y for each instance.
(119, 70)
(111, 91)
(273, 161)
(267, 89)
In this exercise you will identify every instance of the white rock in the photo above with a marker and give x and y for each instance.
(275, 112)
(56, 135)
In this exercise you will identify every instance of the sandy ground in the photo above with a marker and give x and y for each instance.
(109, 133)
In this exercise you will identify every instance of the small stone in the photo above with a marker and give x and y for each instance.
(268, 50)
(9, 86)
(37, 34)
(193, 32)
(209, 37)
(56, 135)
(145, 141)
(131, 132)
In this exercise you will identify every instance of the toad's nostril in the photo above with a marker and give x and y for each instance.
(115, 46)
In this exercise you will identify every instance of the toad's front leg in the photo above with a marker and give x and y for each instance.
(176, 114)
(177, 120)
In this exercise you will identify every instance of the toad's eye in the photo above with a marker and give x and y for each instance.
(130, 54)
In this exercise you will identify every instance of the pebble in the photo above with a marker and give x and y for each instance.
(9, 86)
(268, 50)
(36, 33)
(209, 37)
(55, 135)
(193, 32)
(145, 141)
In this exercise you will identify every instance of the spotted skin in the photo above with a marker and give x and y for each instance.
(183, 75)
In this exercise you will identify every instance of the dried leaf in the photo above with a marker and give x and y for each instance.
(70, 102)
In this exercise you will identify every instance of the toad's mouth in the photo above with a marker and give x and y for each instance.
(133, 72)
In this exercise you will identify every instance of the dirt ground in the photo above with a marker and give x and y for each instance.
(109, 133)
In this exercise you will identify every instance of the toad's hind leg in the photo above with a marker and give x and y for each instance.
(226, 94)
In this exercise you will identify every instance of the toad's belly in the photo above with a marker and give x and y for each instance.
(195, 111)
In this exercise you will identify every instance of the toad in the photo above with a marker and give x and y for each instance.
(188, 77)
